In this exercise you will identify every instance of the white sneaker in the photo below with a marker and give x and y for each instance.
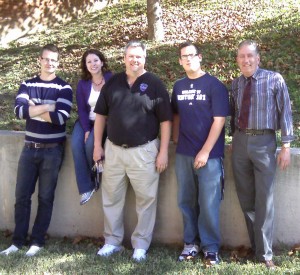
(11, 249)
(139, 254)
(33, 250)
(109, 249)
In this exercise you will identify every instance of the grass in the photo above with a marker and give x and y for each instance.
(217, 26)
(67, 256)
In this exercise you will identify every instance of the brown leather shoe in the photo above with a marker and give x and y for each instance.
(270, 264)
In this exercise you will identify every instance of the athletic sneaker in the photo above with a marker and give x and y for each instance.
(211, 258)
(189, 252)
(85, 197)
(109, 249)
(139, 254)
(33, 250)
(11, 249)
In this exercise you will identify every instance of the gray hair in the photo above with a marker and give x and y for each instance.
(249, 42)
(135, 43)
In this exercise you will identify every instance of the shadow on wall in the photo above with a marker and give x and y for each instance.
(21, 17)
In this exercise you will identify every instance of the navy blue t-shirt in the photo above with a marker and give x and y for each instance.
(198, 101)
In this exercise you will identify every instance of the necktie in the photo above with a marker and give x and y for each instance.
(245, 108)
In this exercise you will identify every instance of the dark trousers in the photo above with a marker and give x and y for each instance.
(254, 166)
(42, 165)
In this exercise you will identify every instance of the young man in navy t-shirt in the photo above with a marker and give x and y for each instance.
(200, 105)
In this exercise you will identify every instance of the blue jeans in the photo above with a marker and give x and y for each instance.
(42, 165)
(199, 198)
(83, 158)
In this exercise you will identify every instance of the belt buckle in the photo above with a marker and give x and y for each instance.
(36, 145)
(250, 132)
(125, 146)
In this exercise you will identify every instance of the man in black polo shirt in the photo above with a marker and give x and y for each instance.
(136, 105)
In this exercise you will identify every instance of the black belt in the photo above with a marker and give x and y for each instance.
(127, 146)
(254, 132)
(41, 145)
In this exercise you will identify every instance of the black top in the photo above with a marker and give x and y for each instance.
(134, 114)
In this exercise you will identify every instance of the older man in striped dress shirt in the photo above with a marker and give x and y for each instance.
(254, 146)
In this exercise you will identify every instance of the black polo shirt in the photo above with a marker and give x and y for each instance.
(134, 114)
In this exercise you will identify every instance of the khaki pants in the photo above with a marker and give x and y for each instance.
(137, 166)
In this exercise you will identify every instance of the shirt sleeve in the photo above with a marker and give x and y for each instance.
(82, 106)
(21, 109)
(101, 107)
(163, 106)
(63, 106)
(220, 100)
(284, 109)
(174, 104)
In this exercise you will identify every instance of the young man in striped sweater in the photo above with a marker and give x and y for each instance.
(45, 103)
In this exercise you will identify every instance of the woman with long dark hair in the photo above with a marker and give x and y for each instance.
(94, 73)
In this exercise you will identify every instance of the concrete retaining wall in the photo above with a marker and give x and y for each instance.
(71, 219)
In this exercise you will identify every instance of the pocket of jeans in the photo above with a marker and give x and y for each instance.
(56, 154)
(59, 149)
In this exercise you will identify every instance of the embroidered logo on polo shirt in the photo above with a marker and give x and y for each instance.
(143, 87)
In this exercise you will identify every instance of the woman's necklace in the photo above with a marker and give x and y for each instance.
(98, 84)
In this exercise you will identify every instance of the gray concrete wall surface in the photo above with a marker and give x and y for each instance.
(70, 219)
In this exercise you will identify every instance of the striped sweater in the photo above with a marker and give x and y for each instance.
(44, 92)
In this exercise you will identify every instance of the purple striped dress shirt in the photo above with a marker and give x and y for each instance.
(270, 103)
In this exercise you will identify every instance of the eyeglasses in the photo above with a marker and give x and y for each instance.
(47, 60)
(187, 56)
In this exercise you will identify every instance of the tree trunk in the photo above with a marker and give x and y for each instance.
(154, 16)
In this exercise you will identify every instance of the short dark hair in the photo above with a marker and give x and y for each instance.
(187, 44)
(51, 48)
(249, 42)
(135, 43)
(85, 74)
